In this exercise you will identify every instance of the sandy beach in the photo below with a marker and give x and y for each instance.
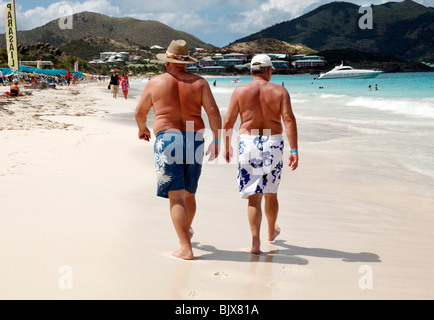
(79, 217)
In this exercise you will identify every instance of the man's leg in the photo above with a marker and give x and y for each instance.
(181, 222)
(255, 218)
(190, 203)
(271, 212)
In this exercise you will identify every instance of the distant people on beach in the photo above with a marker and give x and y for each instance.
(125, 84)
(177, 98)
(42, 80)
(114, 83)
(68, 77)
(15, 89)
(262, 106)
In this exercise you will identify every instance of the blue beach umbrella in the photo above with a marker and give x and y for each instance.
(47, 72)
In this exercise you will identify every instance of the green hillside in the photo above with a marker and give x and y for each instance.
(94, 25)
(401, 29)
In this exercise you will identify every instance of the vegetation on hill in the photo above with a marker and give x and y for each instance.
(62, 60)
(95, 25)
(401, 29)
(91, 47)
(367, 60)
(269, 46)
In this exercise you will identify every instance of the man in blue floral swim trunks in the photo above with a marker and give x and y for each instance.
(262, 107)
(177, 98)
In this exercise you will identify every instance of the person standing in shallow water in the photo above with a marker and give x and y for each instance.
(261, 106)
(177, 98)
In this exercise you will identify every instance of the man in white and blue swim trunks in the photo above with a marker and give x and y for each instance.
(177, 98)
(262, 106)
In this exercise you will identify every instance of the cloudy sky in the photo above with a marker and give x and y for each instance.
(218, 22)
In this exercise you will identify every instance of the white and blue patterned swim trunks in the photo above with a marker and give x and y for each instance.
(260, 164)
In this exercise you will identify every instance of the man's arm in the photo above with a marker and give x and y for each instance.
(290, 124)
(215, 119)
(228, 124)
(142, 110)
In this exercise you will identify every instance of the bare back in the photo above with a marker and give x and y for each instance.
(176, 99)
(260, 104)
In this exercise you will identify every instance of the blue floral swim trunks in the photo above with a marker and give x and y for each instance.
(260, 164)
(178, 157)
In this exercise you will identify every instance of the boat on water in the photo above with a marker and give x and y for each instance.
(349, 72)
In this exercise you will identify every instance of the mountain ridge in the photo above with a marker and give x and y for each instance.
(265, 45)
(336, 25)
(89, 24)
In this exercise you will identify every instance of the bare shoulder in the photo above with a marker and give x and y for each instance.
(245, 88)
(154, 81)
(159, 78)
(200, 80)
(279, 89)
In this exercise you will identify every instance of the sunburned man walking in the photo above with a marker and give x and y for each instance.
(177, 98)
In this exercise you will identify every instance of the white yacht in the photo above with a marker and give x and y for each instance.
(348, 72)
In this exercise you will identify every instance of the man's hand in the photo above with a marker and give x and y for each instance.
(145, 134)
(213, 151)
(293, 161)
(229, 153)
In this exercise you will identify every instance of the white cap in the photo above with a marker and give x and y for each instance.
(261, 60)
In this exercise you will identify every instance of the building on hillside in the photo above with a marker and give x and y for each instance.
(278, 56)
(111, 57)
(97, 61)
(236, 56)
(207, 62)
(304, 60)
(214, 69)
(241, 67)
(280, 63)
(230, 62)
(298, 57)
(217, 57)
(192, 69)
(107, 55)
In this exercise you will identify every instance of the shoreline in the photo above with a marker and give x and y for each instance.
(83, 196)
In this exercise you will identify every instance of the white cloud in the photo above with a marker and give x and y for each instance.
(207, 20)
(427, 3)
(38, 16)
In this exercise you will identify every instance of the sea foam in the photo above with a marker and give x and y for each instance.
(419, 108)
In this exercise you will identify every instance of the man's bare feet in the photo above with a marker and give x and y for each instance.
(256, 247)
(183, 254)
(273, 236)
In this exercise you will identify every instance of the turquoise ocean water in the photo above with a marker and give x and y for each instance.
(389, 130)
